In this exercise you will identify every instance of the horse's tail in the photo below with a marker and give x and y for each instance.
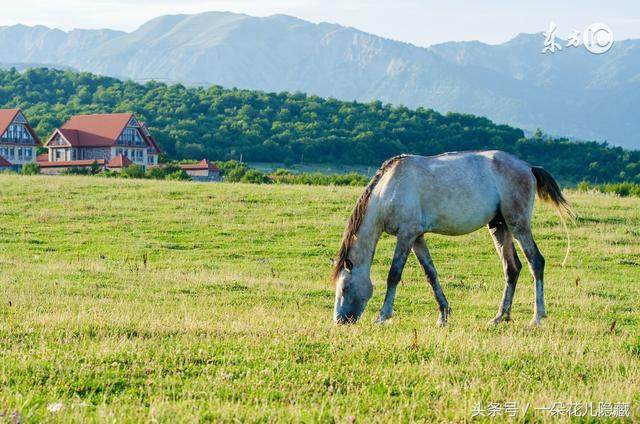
(549, 191)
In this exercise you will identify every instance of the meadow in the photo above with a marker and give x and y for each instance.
(168, 301)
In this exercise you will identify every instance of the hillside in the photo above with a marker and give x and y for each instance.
(176, 302)
(191, 123)
(572, 93)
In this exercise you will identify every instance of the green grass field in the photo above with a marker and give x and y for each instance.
(134, 301)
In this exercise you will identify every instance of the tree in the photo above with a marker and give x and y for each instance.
(30, 169)
(95, 168)
(197, 122)
(133, 171)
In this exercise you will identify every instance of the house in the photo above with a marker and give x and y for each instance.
(58, 167)
(119, 163)
(202, 171)
(18, 141)
(5, 165)
(89, 138)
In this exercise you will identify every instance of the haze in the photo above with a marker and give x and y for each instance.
(419, 22)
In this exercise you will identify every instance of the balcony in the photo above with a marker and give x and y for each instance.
(13, 140)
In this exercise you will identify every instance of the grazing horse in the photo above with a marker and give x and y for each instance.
(453, 194)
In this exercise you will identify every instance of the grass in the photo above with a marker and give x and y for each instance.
(132, 301)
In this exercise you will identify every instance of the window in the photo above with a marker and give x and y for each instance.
(20, 153)
(57, 141)
(17, 133)
(130, 136)
(58, 153)
(28, 153)
(11, 152)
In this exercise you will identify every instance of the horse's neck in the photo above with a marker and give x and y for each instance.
(366, 240)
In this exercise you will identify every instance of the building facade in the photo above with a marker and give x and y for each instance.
(101, 138)
(204, 170)
(18, 142)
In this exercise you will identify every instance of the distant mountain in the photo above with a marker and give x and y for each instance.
(23, 66)
(570, 93)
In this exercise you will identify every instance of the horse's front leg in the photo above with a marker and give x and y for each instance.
(403, 247)
(421, 251)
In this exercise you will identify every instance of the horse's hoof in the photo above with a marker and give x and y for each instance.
(498, 319)
(441, 322)
(535, 322)
(381, 320)
(494, 322)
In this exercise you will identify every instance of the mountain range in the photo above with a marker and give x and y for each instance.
(568, 93)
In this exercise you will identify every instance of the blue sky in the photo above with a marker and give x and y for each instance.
(419, 22)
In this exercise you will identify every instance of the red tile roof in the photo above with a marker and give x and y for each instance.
(71, 163)
(4, 162)
(149, 137)
(204, 164)
(97, 130)
(42, 158)
(101, 130)
(7, 116)
(119, 161)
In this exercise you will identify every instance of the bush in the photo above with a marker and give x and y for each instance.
(76, 171)
(228, 166)
(179, 175)
(95, 168)
(238, 172)
(254, 176)
(234, 175)
(108, 174)
(133, 171)
(30, 169)
(619, 189)
(156, 173)
(282, 176)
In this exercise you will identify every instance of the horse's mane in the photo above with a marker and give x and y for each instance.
(357, 215)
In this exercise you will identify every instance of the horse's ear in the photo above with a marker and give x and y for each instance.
(348, 265)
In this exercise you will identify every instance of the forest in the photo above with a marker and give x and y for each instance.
(291, 128)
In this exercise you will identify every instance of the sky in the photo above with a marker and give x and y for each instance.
(420, 22)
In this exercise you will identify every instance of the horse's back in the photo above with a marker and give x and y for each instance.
(457, 193)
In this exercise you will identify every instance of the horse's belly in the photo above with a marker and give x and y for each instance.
(458, 228)
(457, 218)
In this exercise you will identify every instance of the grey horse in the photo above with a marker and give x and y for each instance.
(453, 194)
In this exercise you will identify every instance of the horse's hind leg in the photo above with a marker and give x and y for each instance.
(536, 266)
(503, 241)
(422, 253)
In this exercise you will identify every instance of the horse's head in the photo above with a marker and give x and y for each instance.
(353, 291)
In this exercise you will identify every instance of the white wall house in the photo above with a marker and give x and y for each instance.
(101, 137)
(18, 141)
